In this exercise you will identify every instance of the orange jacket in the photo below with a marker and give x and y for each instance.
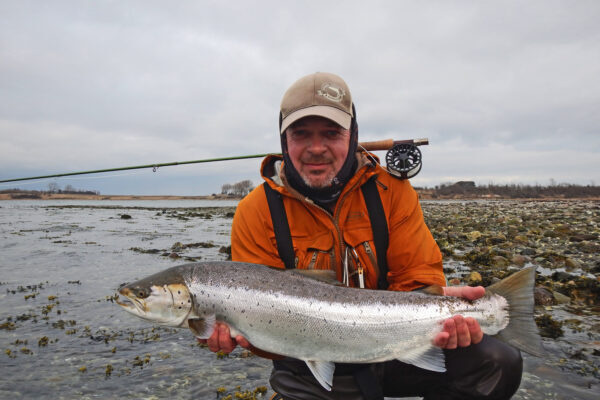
(321, 240)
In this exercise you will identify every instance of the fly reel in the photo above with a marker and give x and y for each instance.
(403, 160)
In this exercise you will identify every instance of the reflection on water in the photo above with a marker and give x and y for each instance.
(64, 337)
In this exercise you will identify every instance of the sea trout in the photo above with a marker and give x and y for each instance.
(285, 312)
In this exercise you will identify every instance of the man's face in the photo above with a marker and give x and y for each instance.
(318, 148)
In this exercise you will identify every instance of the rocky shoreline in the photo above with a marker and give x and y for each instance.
(424, 194)
(485, 242)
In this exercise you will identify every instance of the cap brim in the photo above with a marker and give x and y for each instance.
(335, 114)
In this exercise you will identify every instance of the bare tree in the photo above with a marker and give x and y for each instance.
(225, 188)
(239, 189)
(53, 187)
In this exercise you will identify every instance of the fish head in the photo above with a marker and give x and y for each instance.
(163, 301)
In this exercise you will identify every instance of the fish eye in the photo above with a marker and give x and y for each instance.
(141, 292)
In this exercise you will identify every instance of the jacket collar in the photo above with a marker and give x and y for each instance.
(273, 165)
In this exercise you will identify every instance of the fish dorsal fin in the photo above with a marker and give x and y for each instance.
(431, 358)
(202, 328)
(323, 275)
(434, 290)
(323, 372)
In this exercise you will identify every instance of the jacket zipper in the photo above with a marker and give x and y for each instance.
(336, 215)
(371, 255)
(313, 259)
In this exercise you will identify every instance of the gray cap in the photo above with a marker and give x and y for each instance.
(319, 94)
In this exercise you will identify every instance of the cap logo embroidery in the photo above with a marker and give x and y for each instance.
(331, 92)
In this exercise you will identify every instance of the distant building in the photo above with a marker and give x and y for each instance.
(465, 184)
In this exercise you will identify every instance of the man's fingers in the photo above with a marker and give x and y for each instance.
(441, 340)
(463, 336)
(213, 340)
(450, 328)
(226, 344)
(242, 341)
(467, 292)
(474, 330)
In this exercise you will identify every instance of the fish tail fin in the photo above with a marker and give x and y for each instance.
(521, 330)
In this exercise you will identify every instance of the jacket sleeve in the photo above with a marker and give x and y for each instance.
(414, 258)
(252, 230)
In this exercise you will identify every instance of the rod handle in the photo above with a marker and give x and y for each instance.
(387, 144)
(377, 145)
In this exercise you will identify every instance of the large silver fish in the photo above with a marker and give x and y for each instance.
(287, 313)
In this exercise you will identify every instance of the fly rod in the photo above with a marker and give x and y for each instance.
(388, 144)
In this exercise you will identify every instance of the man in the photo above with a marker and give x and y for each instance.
(319, 179)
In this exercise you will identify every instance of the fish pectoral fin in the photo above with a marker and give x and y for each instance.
(431, 359)
(202, 328)
(323, 372)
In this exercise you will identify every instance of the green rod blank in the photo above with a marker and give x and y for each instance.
(153, 166)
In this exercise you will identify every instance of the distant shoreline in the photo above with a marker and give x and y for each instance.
(424, 194)
(70, 196)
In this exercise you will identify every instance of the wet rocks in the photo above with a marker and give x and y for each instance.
(543, 296)
(549, 327)
(560, 238)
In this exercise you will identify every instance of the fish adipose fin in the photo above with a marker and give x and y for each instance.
(431, 359)
(323, 372)
(521, 330)
(202, 328)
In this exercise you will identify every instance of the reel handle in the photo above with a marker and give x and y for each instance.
(387, 144)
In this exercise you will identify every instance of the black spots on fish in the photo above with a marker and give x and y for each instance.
(353, 323)
(270, 321)
(189, 301)
(179, 292)
(251, 326)
(243, 311)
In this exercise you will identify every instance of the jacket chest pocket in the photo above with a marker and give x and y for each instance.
(360, 258)
(314, 252)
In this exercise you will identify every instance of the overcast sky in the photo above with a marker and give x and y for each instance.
(506, 92)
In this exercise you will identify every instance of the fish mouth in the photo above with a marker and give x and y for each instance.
(130, 303)
(125, 302)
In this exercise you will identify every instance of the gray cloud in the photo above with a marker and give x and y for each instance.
(500, 88)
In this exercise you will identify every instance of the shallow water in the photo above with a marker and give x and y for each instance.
(64, 337)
